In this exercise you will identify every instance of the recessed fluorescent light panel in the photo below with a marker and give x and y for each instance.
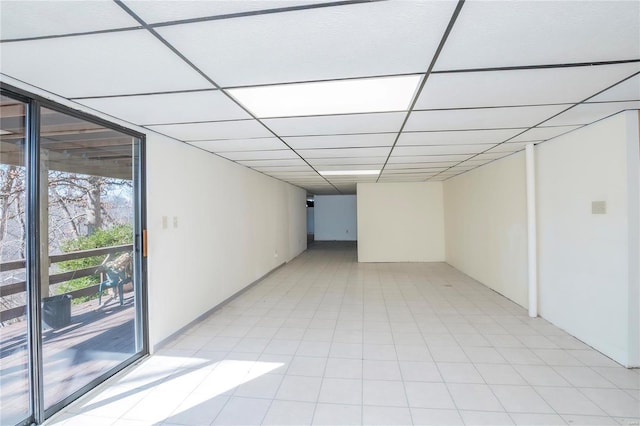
(329, 97)
(349, 172)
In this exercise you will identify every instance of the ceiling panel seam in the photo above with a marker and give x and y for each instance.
(260, 12)
(196, 20)
(211, 81)
(78, 34)
(443, 40)
(470, 70)
(547, 119)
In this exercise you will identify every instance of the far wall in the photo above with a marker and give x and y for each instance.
(310, 220)
(335, 218)
(400, 222)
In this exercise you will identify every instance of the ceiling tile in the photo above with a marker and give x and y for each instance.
(475, 162)
(423, 175)
(350, 161)
(209, 105)
(162, 10)
(326, 43)
(343, 165)
(344, 152)
(485, 118)
(294, 175)
(100, 64)
(272, 163)
(337, 124)
(216, 130)
(284, 169)
(386, 178)
(258, 144)
(462, 137)
(542, 133)
(259, 155)
(311, 181)
(490, 156)
(588, 113)
(341, 141)
(25, 19)
(420, 166)
(513, 33)
(449, 173)
(520, 87)
(409, 169)
(441, 149)
(628, 90)
(427, 158)
(509, 147)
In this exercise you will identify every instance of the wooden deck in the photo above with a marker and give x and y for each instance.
(97, 339)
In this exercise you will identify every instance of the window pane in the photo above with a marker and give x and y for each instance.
(14, 359)
(87, 171)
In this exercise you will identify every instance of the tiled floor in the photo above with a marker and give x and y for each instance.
(325, 340)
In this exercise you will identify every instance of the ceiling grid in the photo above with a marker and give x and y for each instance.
(414, 90)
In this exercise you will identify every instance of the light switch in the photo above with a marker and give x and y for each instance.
(175, 221)
(598, 207)
(164, 222)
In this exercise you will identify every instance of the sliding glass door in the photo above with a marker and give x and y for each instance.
(14, 331)
(72, 312)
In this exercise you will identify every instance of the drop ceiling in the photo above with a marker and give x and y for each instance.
(421, 90)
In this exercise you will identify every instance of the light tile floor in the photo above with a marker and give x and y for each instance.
(326, 340)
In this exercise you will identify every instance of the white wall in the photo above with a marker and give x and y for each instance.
(584, 258)
(310, 220)
(486, 226)
(234, 226)
(400, 222)
(633, 172)
(231, 223)
(297, 223)
(335, 218)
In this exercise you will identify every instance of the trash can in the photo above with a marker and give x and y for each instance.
(56, 311)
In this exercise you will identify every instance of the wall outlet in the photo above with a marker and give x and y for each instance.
(275, 254)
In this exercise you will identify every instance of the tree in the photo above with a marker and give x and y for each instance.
(117, 235)
(79, 205)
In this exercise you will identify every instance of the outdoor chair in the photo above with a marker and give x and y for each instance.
(116, 274)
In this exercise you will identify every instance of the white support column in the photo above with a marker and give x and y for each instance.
(532, 262)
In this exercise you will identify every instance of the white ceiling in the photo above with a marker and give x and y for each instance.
(481, 83)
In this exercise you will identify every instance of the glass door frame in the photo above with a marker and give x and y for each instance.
(33, 266)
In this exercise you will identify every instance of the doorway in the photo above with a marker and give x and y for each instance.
(72, 266)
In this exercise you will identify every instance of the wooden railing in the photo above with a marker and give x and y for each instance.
(21, 286)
